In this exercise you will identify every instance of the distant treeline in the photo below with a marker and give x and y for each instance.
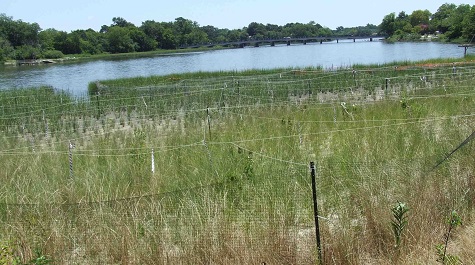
(21, 40)
(449, 23)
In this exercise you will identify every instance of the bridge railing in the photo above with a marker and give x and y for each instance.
(242, 43)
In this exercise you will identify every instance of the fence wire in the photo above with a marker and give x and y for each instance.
(216, 199)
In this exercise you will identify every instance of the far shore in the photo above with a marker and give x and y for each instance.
(106, 56)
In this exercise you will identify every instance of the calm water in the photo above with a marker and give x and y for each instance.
(74, 77)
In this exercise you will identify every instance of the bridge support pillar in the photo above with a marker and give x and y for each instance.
(242, 45)
(272, 44)
(256, 44)
(337, 40)
(370, 39)
(354, 40)
(304, 42)
(288, 43)
(321, 41)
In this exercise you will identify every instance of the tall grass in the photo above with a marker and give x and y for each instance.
(231, 153)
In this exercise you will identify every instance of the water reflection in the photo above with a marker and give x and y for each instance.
(74, 77)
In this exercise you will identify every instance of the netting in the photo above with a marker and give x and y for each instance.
(215, 169)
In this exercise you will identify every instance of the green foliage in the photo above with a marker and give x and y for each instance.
(451, 21)
(388, 25)
(468, 23)
(21, 40)
(367, 30)
(420, 17)
(26, 52)
(453, 222)
(446, 258)
(92, 89)
(399, 221)
(119, 40)
(52, 54)
(40, 259)
(6, 50)
(7, 254)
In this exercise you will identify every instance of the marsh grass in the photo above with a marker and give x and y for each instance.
(236, 189)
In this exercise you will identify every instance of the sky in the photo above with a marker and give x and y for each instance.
(231, 14)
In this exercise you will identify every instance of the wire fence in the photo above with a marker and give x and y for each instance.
(238, 214)
(152, 175)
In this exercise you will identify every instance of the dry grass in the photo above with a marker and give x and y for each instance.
(243, 195)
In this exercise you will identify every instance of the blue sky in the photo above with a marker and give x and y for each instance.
(231, 14)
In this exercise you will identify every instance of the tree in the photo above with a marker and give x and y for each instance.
(104, 29)
(196, 36)
(256, 30)
(211, 32)
(235, 35)
(325, 32)
(457, 22)
(440, 20)
(121, 22)
(26, 52)
(19, 33)
(144, 42)
(168, 39)
(388, 26)
(183, 27)
(91, 42)
(402, 24)
(6, 50)
(161, 32)
(469, 25)
(119, 40)
(420, 17)
(46, 38)
(64, 42)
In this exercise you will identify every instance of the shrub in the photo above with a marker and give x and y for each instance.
(52, 54)
(26, 52)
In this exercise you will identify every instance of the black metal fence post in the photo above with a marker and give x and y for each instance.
(315, 212)
(209, 123)
(71, 172)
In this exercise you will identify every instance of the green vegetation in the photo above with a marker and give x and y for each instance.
(399, 221)
(449, 23)
(230, 182)
(21, 40)
(453, 221)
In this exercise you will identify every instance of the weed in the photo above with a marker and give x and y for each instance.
(7, 254)
(399, 222)
(453, 222)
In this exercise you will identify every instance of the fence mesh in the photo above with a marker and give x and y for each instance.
(216, 170)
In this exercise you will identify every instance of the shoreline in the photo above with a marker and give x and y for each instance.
(106, 56)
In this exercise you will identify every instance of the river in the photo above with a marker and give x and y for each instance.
(74, 77)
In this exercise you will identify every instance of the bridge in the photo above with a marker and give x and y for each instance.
(286, 40)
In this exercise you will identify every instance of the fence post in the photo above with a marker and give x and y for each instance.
(209, 123)
(315, 213)
(334, 114)
(98, 106)
(153, 162)
(71, 147)
(46, 125)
